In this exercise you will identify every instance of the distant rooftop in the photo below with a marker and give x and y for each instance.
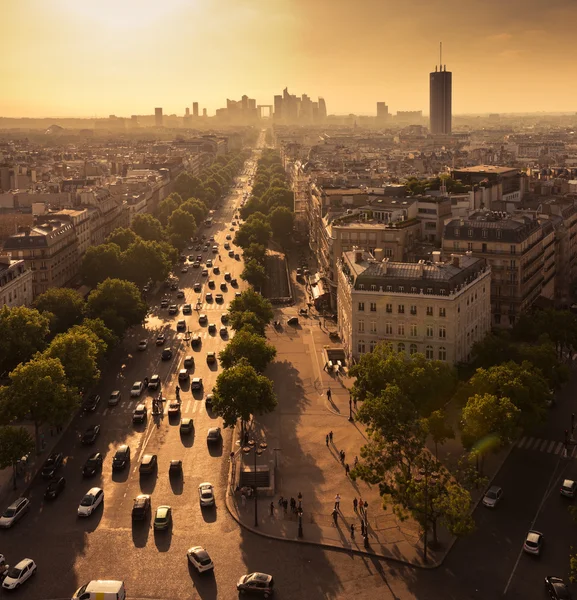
(488, 169)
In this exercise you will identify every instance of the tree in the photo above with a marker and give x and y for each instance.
(23, 332)
(64, 304)
(147, 227)
(250, 346)
(78, 353)
(167, 207)
(454, 507)
(118, 303)
(99, 263)
(144, 261)
(255, 252)
(182, 224)
(15, 442)
(186, 185)
(196, 208)
(247, 320)
(39, 391)
(254, 205)
(281, 221)
(213, 184)
(439, 429)
(278, 196)
(97, 326)
(253, 231)
(253, 273)
(240, 393)
(122, 237)
(250, 301)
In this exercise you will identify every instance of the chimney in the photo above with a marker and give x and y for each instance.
(436, 256)
(379, 254)
(358, 254)
(456, 260)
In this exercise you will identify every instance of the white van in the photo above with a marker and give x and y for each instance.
(101, 589)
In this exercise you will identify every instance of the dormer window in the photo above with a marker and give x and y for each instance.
(484, 233)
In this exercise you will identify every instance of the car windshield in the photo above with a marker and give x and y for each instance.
(14, 573)
(87, 500)
(491, 494)
(91, 462)
(206, 493)
(9, 512)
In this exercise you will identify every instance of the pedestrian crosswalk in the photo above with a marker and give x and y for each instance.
(547, 446)
(188, 408)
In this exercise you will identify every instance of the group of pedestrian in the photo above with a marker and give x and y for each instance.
(283, 503)
(342, 457)
(329, 438)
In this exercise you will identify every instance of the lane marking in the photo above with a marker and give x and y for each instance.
(544, 445)
(551, 446)
(188, 406)
(522, 442)
(559, 446)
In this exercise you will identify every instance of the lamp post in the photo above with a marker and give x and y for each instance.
(351, 407)
(257, 450)
(425, 473)
(300, 514)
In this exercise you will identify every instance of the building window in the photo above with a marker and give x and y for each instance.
(413, 349)
(401, 289)
(470, 232)
(413, 309)
(389, 288)
(372, 345)
(361, 347)
(498, 234)
(413, 331)
(373, 327)
(373, 288)
(429, 311)
(388, 329)
(484, 233)
(413, 290)
(457, 232)
(401, 329)
(361, 307)
(456, 245)
(373, 307)
(401, 347)
(401, 309)
(429, 290)
(443, 313)
(429, 331)
(389, 308)
(361, 326)
(470, 246)
(442, 353)
(513, 249)
(442, 332)
(429, 352)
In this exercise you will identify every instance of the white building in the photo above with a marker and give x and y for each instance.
(15, 283)
(437, 309)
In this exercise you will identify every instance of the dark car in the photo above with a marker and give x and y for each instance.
(257, 583)
(51, 465)
(91, 434)
(166, 354)
(54, 488)
(195, 340)
(233, 282)
(121, 458)
(175, 467)
(148, 463)
(557, 589)
(93, 465)
(141, 507)
(293, 321)
(91, 403)
(214, 436)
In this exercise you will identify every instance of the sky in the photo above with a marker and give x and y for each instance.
(92, 58)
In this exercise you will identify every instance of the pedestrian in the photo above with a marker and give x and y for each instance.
(243, 500)
(365, 507)
(347, 469)
(280, 501)
(327, 440)
(361, 505)
(366, 540)
(285, 505)
(293, 505)
(331, 437)
(272, 509)
(335, 516)
(300, 497)
(363, 528)
(352, 531)
(355, 504)
(337, 501)
(329, 394)
(343, 456)
(356, 461)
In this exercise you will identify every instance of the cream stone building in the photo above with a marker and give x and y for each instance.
(437, 309)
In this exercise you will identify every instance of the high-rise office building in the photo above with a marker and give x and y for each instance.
(440, 107)
(195, 109)
(382, 111)
(187, 111)
(322, 109)
(277, 107)
(204, 113)
(158, 117)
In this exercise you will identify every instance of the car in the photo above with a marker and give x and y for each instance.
(197, 287)
(223, 331)
(91, 403)
(92, 465)
(208, 297)
(224, 318)
(215, 249)
(196, 264)
(211, 284)
(258, 583)
(184, 269)
(183, 375)
(208, 400)
(187, 309)
(206, 494)
(160, 339)
(174, 407)
(136, 389)
(238, 295)
(188, 361)
(568, 488)
(164, 303)
(181, 325)
(210, 357)
(293, 321)
(202, 319)
(18, 574)
(231, 253)
(154, 382)
(141, 507)
(14, 512)
(174, 286)
(204, 273)
(121, 457)
(212, 328)
(223, 287)
(216, 270)
(90, 435)
(172, 309)
(556, 588)
(227, 276)
(175, 467)
(142, 345)
(233, 223)
(209, 263)
(226, 244)
(195, 340)
(53, 462)
(232, 228)
(180, 294)
(199, 559)
(492, 496)
(191, 257)
(163, 518)
(533, 542)
(228, 237)
(114, 398)
(219, 298)
(237, 256)
(233, 282)
(186, 425)
(91, 501)
(196, 383)
(54, 488)
(139, 414)
(214, 436)
(211, 238)
(205, 248)
(166, 354)
(148, 464)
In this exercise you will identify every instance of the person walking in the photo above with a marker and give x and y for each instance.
(343, 456)
(363, 528)
(355, 504)
(327, 440)
(331, 437)
(329, 394)
(337, 502)
(356, 462)
(280, 501)
(361, 505)
(347, 469)
(335, 514)
(285, 506)
(272, 509)
(352, 531)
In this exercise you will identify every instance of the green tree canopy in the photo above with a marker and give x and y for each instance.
(147, 227)
(23, 332)
(196, 208)
(281, 223)
(253, 231)
(15, 442)
(167, 207)
(250, 301)
(255, 252)
(247, 320)
(144, 261)
(253, 273)
(439, 428)
(103, 333)
(182, 224)
(100, 262)
(250, 346)
(64, 304)
(186, 185)
(122, 237)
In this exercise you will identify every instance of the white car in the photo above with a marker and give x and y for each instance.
(14, 512)
(90, 502)
(199, 559)
(19, 574)
(492, 496)
(137, 389)
(143, 345)
(206, 494)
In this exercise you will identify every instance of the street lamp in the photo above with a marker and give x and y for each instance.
(434, 477)
(351, 407)
(300, 514)
(257, 450)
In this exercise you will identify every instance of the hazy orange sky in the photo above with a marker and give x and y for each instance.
(123, 57)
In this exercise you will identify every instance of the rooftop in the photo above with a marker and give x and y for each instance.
(486, 169)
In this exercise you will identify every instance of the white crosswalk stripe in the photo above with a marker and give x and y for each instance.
(543, 445)
(551, 446)
(521, 442)
(547, 446)
(558, 448)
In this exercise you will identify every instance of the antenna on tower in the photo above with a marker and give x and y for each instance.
(440, 56)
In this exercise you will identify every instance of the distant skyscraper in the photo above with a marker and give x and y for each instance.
(440, 108)
(322, 109)
(204, 113)
(278, 108)
(158, 117)
(382, 111)
(195, 109)
(187, 111)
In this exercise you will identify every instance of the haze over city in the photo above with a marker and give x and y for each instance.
(97, 57)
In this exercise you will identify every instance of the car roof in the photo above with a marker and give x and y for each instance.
(17, 502)
(148, 457)
(142, 497)
(205, 484)
(186, 421)
(534, 536)
(162, 511)
(136, 383)
(95, 455)
(93, 491)
(115, 393)
(23, 563)
(140, 407)
(260, 577)
(568, 482)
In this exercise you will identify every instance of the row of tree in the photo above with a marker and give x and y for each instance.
(415, 186)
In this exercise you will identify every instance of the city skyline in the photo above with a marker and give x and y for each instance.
(138, 55)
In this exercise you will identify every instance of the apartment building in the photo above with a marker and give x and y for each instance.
(437, 309)
(15, 282)
(514, 248)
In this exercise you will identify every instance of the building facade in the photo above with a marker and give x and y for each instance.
(15, 283)
(440, 106)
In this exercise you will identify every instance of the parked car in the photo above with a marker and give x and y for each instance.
(54, 488)
(492, 496)
(91, 501)
(14, 512)
(18, 574)
(53, 462)
(92, 465)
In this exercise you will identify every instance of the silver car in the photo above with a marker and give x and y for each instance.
(492, 496)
